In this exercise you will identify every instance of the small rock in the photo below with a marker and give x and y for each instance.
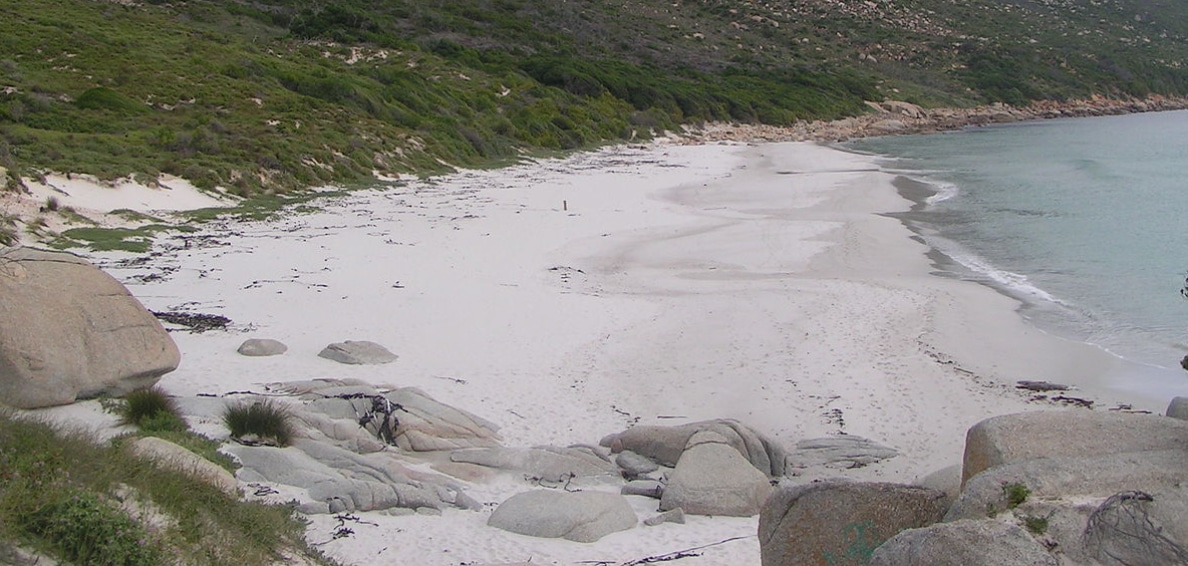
(671, 516)
(256, 347)
(646, 488)
(1178, 408)
(634, 465)
(357, 352)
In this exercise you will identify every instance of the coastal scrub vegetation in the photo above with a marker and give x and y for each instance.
(273, 95)
(64, 494)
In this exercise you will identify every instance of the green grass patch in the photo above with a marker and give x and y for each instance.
(64, 494)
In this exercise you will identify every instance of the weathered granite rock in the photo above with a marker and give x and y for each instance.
(963, 543)
(357, 352)
(257, 347)
(68, 330)
(172, 456)
(634, 465)
(1135, 527)
(713, 478)
(546, 463)
(424, 424)
(428, 425)
(664, 444)
(843, 452)
(676, 516)
(1178, 408)
(583, 516)
(838, 522)
(332, 476)
(1088, 476)
(645, 488)
(1053, 434)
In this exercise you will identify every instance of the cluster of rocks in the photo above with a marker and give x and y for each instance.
(897, 118)
(354, 352)
(578, 492)
(1044, 488)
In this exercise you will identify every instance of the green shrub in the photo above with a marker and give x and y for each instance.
(151, 409)
(259, 421)
(103, 98)
(85, 529)
(1036, 525)
(1015, 494)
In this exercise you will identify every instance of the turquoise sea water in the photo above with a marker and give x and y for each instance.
(1084, 220)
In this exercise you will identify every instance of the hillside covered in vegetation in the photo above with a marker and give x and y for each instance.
(276, 94)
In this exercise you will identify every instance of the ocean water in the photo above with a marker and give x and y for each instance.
(1084, 220)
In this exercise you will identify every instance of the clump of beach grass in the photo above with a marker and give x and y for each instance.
(151, 409)
(260, 421)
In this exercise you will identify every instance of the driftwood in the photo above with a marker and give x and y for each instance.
(1040, 386)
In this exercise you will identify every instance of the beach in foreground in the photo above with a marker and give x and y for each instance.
(569, 299)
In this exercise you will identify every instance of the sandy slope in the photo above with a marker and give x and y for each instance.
(569, 299)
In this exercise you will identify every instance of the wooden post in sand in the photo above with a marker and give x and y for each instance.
(565, 205)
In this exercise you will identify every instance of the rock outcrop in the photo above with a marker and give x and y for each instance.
(542, 463)
(584, 516)
(839, 522)
(713, 478)
(1053, 434)
(963, 543)
(68, 330)
(665, 444)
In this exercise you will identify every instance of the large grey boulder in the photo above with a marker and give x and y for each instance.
(713, 478)
(259, 347)
(174, 457)
(357, 352)
(664, 444)
(1054, 434)
(963, 543)
(837, 522)
(1091, 476)
(69, 331)
(543, 463)
(583, 516)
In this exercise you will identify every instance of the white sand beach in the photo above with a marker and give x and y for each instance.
(569, 299)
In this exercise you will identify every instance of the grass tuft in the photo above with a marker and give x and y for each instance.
(263, 421)
(152, 409)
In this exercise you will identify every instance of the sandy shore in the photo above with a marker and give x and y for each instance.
(569, 299)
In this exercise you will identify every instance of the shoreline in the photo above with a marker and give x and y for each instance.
(572, 298)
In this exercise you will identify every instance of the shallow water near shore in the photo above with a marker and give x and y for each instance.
(1082, 220)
